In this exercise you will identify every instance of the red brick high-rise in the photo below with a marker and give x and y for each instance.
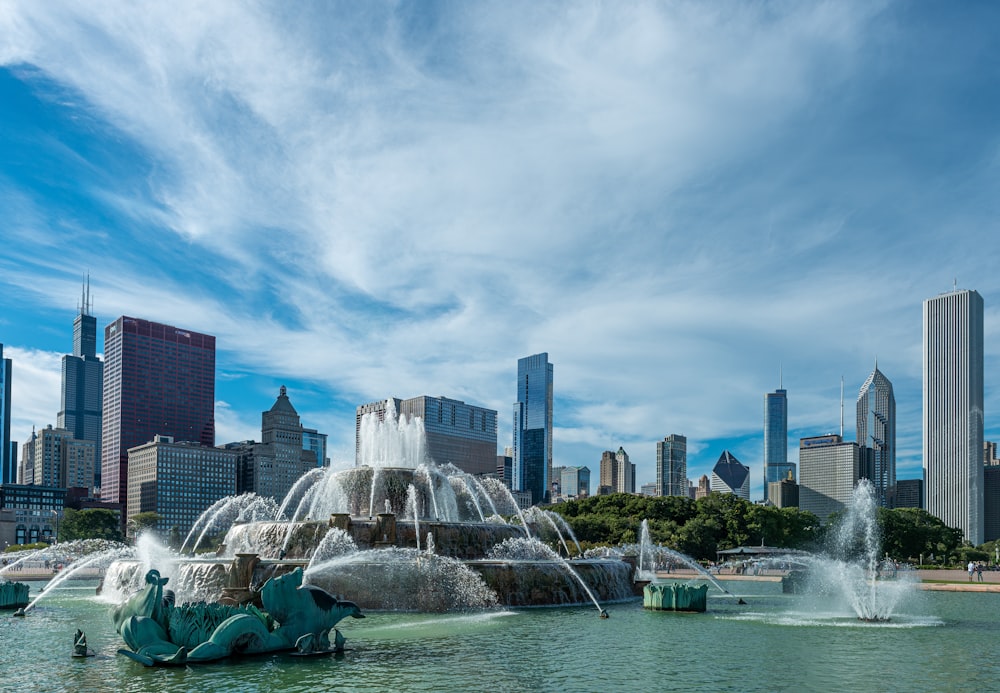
(158, 380)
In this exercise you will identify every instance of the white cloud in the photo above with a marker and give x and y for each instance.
(671, 200)
(231, 425)
(35, 386)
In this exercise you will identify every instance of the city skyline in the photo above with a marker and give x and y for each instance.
(671, 201)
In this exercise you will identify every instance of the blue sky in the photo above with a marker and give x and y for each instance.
(363, 200)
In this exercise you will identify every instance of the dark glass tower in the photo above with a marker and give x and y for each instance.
(876, 411)
(83, 382)
(158, 380)
(532, 465)
(8, 474)
(776, 464)
(671, 466)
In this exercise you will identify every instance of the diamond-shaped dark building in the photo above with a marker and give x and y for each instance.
(731, 476)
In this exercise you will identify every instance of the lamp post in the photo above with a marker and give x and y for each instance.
(57, 515)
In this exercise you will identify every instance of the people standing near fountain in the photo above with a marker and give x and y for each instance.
(972, 569)
(979, 571)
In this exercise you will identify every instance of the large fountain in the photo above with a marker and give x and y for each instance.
(396, 532)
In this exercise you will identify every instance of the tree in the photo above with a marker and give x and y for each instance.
(140, 522)
(696, 528)
(94, 523)
(910, 532)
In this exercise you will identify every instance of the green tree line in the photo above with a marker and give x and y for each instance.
(719, 521)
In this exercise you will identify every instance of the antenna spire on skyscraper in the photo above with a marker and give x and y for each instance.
(83, 308)
(841, 406)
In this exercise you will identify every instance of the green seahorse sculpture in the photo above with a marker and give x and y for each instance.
(295, 617)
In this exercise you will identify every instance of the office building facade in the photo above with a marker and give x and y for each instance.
(829, 469)
(158, 380)
(575, 482)
(783, 494)
(178, 481)
(876, 431)
(82, 392)
(731, 476)
(953, 411)
(54, 457)
(991, 503)
(671, 466)
(454, 432)
(316, 442)
(617, 472)
(704, 487)
(532, 468)
(908, 493)
(776, 464)
(35, 511)
(459, 434)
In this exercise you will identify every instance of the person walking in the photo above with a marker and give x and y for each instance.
(972, 569)
(979, 571)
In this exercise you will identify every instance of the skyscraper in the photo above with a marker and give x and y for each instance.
(178, 481)
(83, 382)
(576, 482)
(829, 469)
(876, 430)
(617, 472)
(671, 466)
(532, 467)
(53, 457)
(731, 476)
(158, 380)
(270, 468)
(776, 464)
(8, 455)
(457, 433)
(626, 472)
(953, 410)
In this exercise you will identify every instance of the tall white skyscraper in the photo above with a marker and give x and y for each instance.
(876, 431)
(953, 410)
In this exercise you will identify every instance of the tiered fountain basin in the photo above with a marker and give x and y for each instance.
(383, 570)
(447, 549)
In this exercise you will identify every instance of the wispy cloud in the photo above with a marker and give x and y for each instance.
(670, 199)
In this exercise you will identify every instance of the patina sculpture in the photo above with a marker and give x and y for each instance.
(80, 648)
(675, 596)
(13, 594)
(294, 617)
